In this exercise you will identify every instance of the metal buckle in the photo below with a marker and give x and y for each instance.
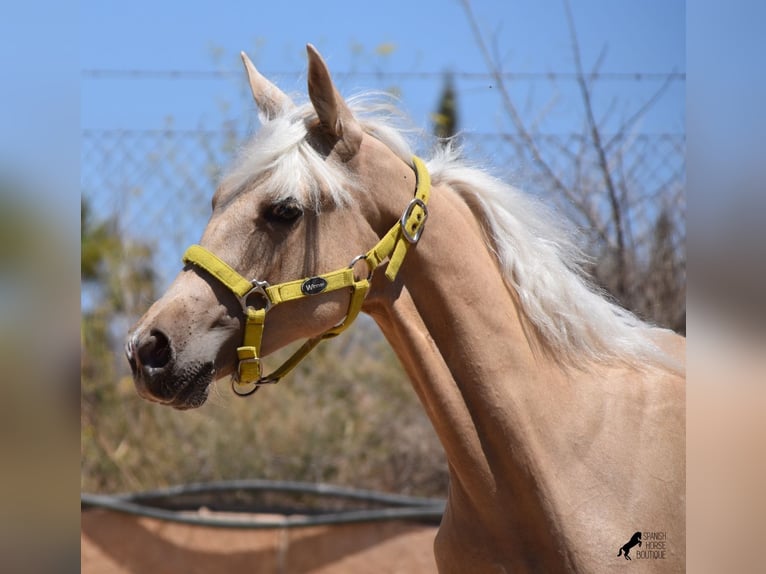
(241, 362)
(259, 288)
(370, 268)
(421, 224)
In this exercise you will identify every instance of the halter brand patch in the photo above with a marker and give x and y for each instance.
(313, 285)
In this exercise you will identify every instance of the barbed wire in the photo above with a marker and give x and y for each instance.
(174, 132)
(177, 74)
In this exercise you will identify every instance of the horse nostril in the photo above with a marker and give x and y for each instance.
(130, 354)
(155, 350)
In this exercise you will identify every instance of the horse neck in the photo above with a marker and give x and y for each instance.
(458, 331)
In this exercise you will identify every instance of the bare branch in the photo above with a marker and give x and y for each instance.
(494, 70)
(603, 163)
(597, 66)
(627, 124)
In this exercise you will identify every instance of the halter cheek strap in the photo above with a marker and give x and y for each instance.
(392, 246)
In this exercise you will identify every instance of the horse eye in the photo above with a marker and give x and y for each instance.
(284, 211)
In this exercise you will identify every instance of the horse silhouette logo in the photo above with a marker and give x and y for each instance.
(635, 539)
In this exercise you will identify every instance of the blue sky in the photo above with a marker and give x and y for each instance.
(429, 36)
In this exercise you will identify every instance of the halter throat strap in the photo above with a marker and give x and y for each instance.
(393, 246)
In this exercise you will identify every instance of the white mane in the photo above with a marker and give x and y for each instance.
(573, 320)
(541, 263)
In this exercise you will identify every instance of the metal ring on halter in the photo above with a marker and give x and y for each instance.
(421, 223)
(370, 269)
(259, 288)
(235, 384)
(235, 380)
(269, 380)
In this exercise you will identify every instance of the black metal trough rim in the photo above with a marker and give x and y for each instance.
(405, 507)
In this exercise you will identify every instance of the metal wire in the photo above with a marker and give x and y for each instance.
(177, 74)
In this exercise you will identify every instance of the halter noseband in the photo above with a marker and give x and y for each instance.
(393, 245)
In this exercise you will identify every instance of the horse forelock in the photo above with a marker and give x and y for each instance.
(281, 157)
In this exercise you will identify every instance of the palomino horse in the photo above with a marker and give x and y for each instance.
(561, 415)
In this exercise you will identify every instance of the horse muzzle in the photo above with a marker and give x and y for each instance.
(159, 377)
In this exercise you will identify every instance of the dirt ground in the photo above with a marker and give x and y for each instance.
(115, 543)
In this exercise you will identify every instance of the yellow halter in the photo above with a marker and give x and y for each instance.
(393, 245)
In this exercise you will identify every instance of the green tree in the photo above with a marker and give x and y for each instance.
(118, 272)
(445, 119)
(116, 278)
(665, 281)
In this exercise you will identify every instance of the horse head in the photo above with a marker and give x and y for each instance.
(312, 191)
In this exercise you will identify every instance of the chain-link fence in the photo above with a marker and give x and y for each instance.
(158, 183)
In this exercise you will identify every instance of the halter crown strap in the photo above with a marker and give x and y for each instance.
(392, 246)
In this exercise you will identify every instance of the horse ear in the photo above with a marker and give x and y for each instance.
(335, 116)
(269, 98)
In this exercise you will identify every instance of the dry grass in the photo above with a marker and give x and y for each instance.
(347, 416)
